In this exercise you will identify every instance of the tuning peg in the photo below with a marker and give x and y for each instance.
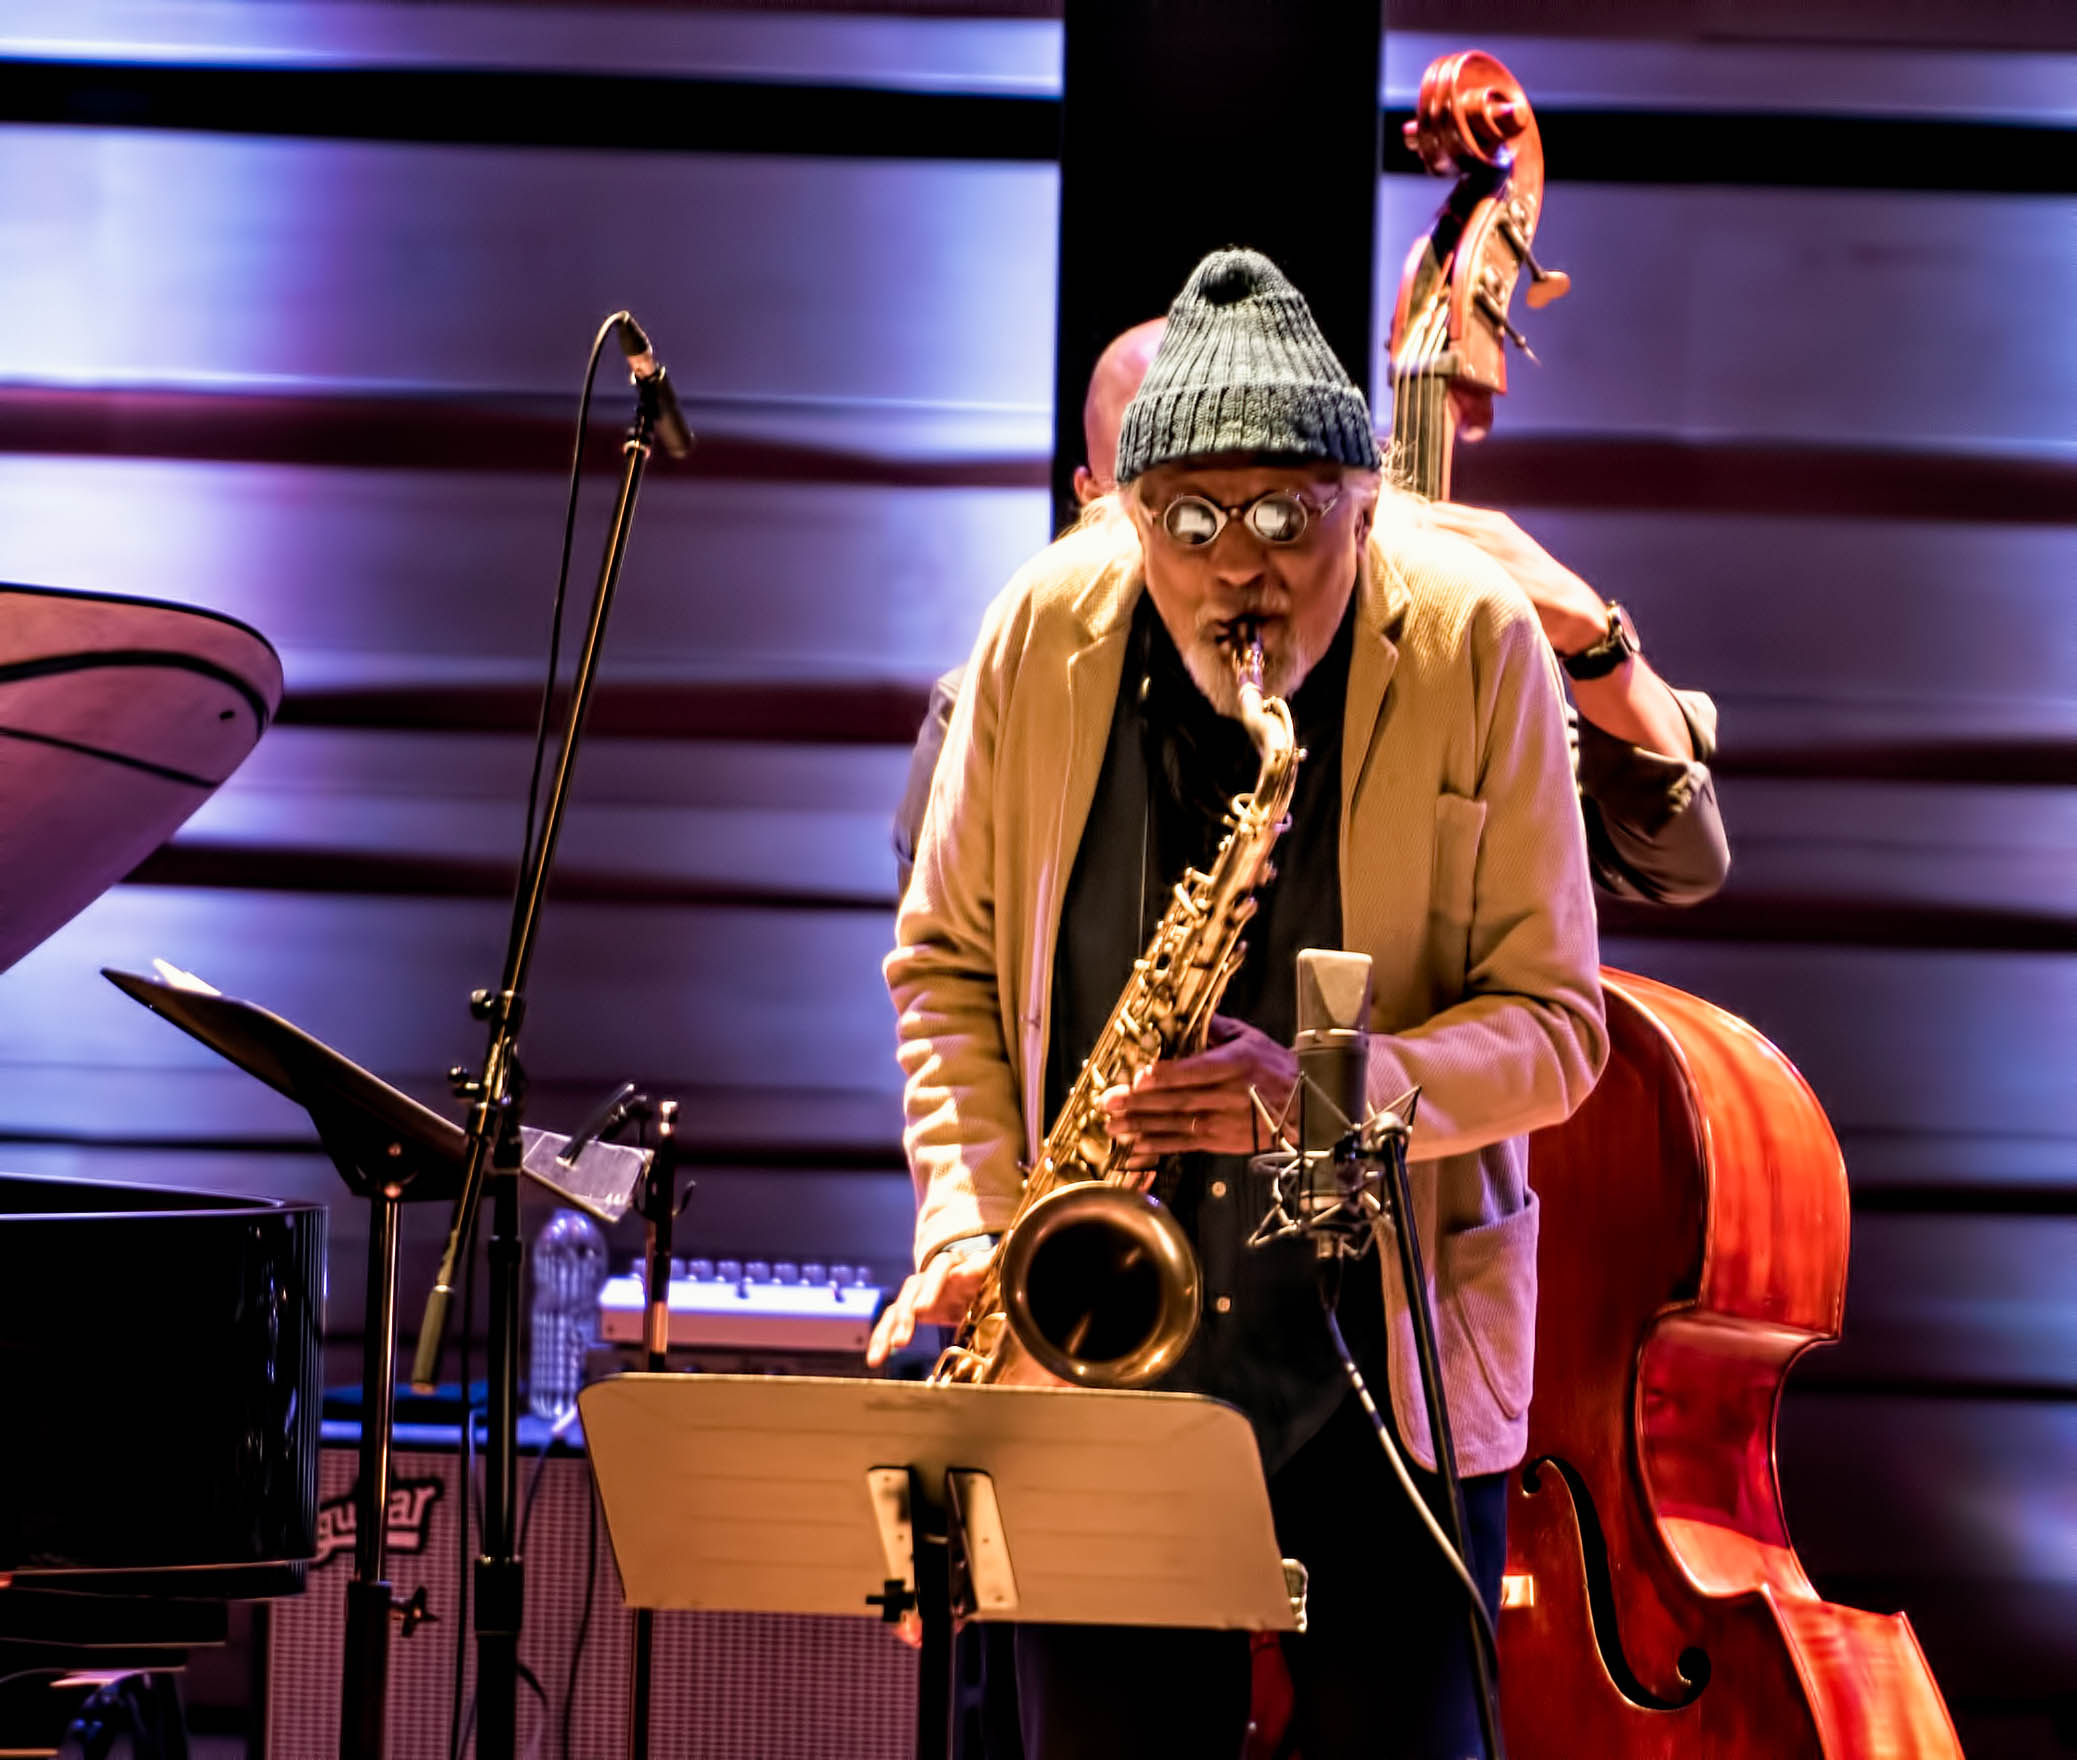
(1545, 285)
(1494, 310)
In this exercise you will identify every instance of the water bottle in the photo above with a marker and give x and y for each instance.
(569, 1268)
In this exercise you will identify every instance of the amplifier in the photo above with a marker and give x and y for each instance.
(727, 1686)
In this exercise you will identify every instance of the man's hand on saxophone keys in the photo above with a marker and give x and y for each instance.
(1205, 1101)
(938, 1295)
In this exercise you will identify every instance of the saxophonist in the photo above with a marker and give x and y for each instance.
(1088, 763)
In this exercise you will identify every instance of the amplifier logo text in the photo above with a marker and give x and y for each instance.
(410, 1505)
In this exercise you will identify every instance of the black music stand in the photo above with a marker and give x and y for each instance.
(391, 1151)
(761, 1494)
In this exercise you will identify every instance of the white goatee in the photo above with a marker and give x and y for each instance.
(1210, 664)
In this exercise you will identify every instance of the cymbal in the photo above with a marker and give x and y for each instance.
(118, 718)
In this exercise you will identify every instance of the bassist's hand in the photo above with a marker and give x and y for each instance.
(938, 1295)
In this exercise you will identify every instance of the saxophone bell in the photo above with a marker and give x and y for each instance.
(1099, 1283)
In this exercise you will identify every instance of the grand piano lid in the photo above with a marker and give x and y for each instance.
(118, 718)
(60, 1197)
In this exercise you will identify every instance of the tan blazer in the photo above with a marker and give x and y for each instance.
(1463, 876)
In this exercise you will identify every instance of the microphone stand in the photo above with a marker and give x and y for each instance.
(1366, 1180)
(1387, 1157)
(496, 1099)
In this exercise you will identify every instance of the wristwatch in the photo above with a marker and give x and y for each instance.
(1609, 652)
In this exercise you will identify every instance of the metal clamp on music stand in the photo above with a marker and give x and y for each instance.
(390, 1150)
(755, 1494)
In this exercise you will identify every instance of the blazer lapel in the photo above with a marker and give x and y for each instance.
(1093, 673)
(1380, 598)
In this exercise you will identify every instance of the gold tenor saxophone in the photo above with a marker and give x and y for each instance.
(1096, 1283)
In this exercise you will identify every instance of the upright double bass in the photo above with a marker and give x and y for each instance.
(1694, 1227)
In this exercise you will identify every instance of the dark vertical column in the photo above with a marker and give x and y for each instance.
(1192, 124)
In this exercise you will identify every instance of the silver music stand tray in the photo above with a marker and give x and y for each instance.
(761, 1494)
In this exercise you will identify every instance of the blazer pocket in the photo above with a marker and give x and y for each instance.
(1459, 823)
(1489, 1274)
(1453, 891)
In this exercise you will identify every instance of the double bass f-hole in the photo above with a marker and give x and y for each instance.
(1692, 1664)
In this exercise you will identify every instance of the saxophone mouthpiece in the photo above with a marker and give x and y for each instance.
(1245, 635)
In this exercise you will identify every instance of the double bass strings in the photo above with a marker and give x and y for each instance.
(1417, 415)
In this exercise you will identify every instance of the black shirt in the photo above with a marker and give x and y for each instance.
(1172, 765)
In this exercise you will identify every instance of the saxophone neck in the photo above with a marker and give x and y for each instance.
(1266, 727)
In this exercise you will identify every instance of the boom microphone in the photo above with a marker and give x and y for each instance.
(654, 382)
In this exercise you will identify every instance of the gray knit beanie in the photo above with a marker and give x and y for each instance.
(1242, 367)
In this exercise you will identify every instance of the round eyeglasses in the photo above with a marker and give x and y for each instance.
(1276, 517)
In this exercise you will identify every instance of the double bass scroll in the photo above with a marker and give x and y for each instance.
(1451, 325)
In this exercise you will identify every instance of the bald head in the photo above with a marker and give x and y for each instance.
(1119, 370)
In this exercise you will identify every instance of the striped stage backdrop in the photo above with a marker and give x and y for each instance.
(293, 299)
(727, 1685)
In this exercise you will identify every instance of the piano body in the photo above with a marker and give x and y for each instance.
(159, 1406)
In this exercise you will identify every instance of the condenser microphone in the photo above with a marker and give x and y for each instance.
(654, 382)
(1333, 1046)
(1338, 1179)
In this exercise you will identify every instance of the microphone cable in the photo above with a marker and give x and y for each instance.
(1451, 1556)
(562, 589)
(465, 1460)
(591, 1588)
